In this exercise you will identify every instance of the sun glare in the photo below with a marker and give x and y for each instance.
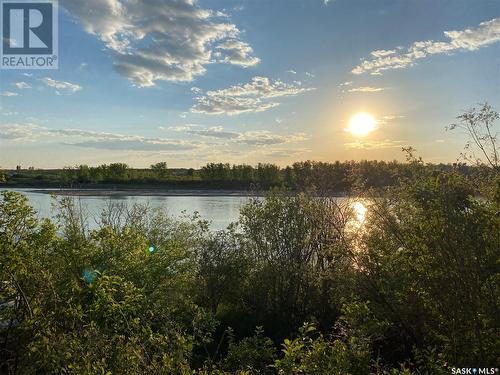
(362, 124)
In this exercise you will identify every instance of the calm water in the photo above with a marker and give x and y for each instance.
(220, 211)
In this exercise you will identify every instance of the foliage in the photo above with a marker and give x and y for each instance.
(253, 354)
(313, 354)
(308, 176)
(478, 123)
(161, 169)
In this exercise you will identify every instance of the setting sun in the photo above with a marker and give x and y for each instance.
(362, 124)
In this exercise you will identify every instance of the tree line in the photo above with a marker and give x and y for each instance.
(337, 177)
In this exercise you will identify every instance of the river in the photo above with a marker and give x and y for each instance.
(220, 211)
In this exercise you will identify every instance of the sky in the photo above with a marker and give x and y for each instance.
(247, 81)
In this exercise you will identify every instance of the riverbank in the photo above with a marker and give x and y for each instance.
(147, 192)
(150, 192)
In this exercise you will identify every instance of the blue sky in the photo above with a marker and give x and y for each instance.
(251, 81)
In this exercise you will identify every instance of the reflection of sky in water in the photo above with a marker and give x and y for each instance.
(220, 211)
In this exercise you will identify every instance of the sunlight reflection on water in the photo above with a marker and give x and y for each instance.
(359, 211)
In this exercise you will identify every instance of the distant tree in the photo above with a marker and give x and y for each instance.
(243, 173)
(268, 174)
(83, 173)
(3, 176)
(99, 173)
(479, 126)
(216, 172)
(68, 175)
(160, 169)
(118, 172)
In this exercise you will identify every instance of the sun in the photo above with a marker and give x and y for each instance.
(362, 124)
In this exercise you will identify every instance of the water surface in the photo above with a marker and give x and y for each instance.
(220, 211)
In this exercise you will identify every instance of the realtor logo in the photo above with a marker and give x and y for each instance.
(29, 34)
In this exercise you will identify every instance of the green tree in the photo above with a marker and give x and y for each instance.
(482, 146)
(118, 172)
(314, 354)
(254, 354)
(83, 174)
(428, 254)
(160, 169)
(291, 241)
(222, 267)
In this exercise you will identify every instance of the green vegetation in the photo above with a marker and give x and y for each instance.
(415, 288)
(324, 178)
(298, 286)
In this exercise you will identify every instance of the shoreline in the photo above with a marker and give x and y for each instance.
(99, 192)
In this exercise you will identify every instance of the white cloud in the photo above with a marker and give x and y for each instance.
(254, 138)
(142, 144)
(8, 93)
(117, 141)
(29, 132)
(236, 52)
(264, 137)
(61, 85)
(285, 153)
(347, 83)
(387, 118)
(169, 40)
(212, 132)
(486, 33)
(22, 85)
(250, 97)
(382, 53)
(92, 139)
(216, 105)
(261, 87)
(291, 71)
(373, 145)
(17, 132)
(366, 89)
